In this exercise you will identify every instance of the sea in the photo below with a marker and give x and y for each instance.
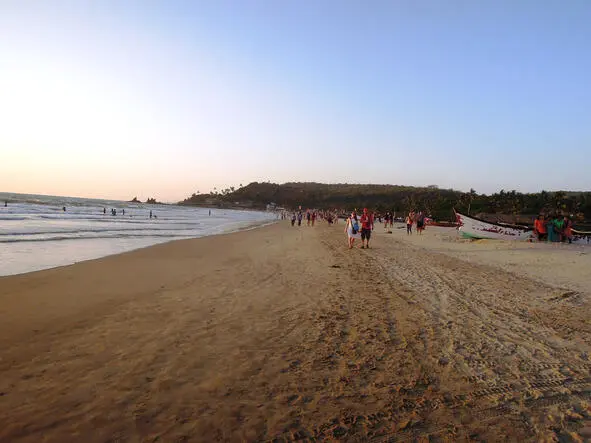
(37, 233)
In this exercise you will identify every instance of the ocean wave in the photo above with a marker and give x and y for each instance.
(99, 237)
(91, 231)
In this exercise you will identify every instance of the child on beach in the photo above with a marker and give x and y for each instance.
(409, 222)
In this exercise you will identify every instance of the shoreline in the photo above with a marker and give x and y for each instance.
(248, 226)
(283, 332)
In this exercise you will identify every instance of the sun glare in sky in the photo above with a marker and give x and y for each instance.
(162, 99)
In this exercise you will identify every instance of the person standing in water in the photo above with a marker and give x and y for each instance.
(150, 214)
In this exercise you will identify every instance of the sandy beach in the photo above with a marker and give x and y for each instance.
(281, 334)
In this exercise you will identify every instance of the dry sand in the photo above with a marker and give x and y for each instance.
(284, 333)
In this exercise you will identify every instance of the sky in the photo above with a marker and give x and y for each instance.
(116, 99)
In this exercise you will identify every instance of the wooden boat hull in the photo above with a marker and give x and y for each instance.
(470, 227)
(581, 238)
(478, 229)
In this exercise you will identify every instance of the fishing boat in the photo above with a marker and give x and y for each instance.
(471, 227)
(581, 237)
(475, 228)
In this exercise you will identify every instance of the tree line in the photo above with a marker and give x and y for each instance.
(438, 203)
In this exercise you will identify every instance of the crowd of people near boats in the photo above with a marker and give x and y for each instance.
(553, 228)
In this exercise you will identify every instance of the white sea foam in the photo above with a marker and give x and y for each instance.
(35, 232)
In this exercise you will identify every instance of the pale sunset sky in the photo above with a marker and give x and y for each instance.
(117, 99)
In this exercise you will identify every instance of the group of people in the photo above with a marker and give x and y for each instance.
(415, 218)
(114, 212)
(311, 216)
(553, 228)
(359, 228)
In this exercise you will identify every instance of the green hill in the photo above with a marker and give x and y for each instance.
(437, 202)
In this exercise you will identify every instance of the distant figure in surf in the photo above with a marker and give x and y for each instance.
(150, 214)
(210, 212)
(104, 210)
(64, 209)
(124, 212)
(5, 204)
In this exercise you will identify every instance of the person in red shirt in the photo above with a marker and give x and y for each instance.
(366, 228)
(540, 228)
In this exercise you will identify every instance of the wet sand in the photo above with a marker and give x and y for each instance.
(284, 333)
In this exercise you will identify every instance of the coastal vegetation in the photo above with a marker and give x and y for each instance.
(437, 202)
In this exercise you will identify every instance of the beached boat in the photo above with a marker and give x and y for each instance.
(471, 227)
(581, 238)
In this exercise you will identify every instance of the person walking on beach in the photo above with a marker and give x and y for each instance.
(313, 218)
(308, 216)
(366, 228)
(352, 229)
(293, 219)
(300, 218)
(420, 223)
(409, 222)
